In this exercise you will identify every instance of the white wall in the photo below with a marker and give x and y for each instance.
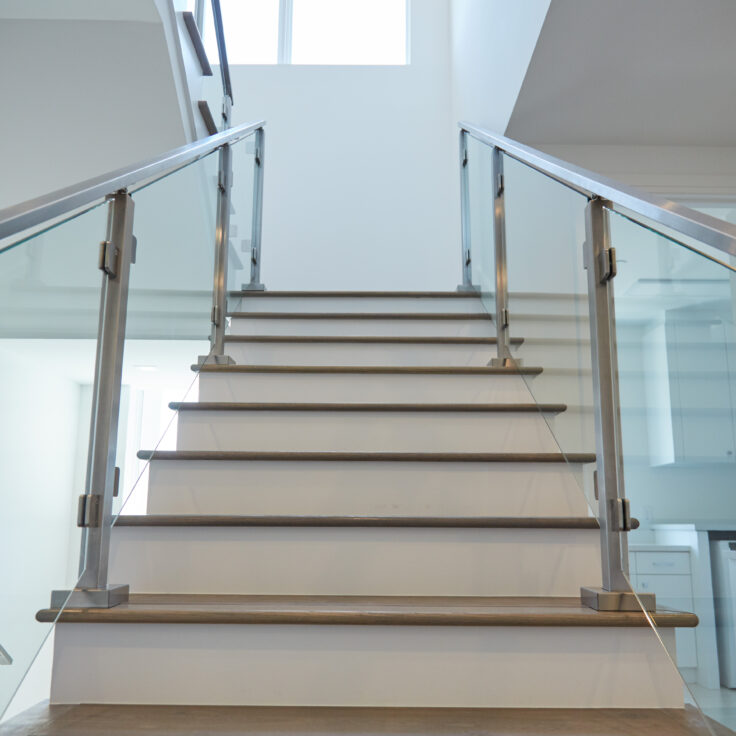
(636, 91)
(360, 177)
(82, 97)
(631, 72)
(492, 44)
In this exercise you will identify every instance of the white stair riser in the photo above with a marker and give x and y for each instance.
(548, 326)
(355, 561)
(365, 387)
(574, 430)
(376, 327)
(278, 665)
(560, 304)
(553, 353)
(461, 305)
(365, 488)
(364, 431)
(254, 353)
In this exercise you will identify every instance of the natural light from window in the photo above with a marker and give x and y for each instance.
(319, 32)
(251, 32)
(349, 32)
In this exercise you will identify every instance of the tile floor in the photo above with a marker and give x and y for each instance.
(720, 705)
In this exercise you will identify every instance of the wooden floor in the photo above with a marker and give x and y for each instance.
(132, 720)
(363, 610)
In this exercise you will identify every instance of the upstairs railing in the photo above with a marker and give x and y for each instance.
(708, 241)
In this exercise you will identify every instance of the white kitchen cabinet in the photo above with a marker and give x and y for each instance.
(666, 572)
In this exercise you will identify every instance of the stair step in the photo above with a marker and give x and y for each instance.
(431, 457)
(361, 350)
(367, 488)
(161, 720)
(419, 666)
(359, 294)
(363, 407)
(369, 339)
(427, 522)
(373, 369)
(270, 558)
(350, 384)
(398, 430)
(364, 611)
(411, 316)
(357, 323)
(369, 301)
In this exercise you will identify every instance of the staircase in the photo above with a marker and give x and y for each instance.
(361, 512)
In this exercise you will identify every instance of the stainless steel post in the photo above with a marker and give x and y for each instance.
(95, 516)
(466, 265)
(613, 507)
(257, 223)
(499, 242)
(222, 246)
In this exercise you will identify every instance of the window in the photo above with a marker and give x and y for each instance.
(251, 31)
(328, 32)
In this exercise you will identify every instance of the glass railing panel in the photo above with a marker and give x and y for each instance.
(50, 287)
(548, 306)
(480, 205)
(676, 339)
(169, 313)
(240, 251)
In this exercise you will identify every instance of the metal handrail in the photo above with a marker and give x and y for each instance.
(36, 211)
(704, 228)
(227, 86)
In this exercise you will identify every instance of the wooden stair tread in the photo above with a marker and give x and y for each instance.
(370, 339)
(195, 720)
(455, 316)
(481, 370)
(363, 407)
(331, 520)
(469, 457)
(363, 294)
(364, 610)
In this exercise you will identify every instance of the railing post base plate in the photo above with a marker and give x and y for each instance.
(505, 362)
(609, 600)
(215, 360)
(107, 597)
(254, 287)
(468, 288)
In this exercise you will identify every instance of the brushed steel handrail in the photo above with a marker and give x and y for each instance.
(34, 212)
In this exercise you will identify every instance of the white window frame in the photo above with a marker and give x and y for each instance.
(286, 16)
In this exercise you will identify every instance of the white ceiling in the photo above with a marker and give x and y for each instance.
(631, 71)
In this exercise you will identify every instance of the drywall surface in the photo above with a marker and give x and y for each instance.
(492, 42)
(655, 72)
(78, 103)
(360, 168)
